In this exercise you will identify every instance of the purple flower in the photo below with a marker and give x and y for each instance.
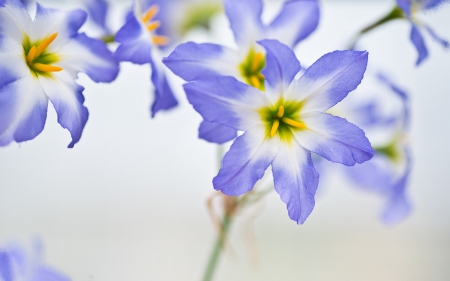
(388, 172)
(140, 42)
(410, 8)
(191, 61)
(285, 123)
(17, 265)
(40, 59)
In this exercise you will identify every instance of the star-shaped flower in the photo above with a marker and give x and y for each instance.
(40, 58)
(191, 61)
(285, 123)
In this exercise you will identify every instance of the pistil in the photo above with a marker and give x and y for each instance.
(279, 117)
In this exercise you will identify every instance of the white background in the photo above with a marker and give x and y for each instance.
(128, 202)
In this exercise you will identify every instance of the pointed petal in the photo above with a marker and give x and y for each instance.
(295, 180)
(215, 132)
(437, 38)
(419, 43)
(5, 267)
(405, 5)
(97, 10)
(295, 22)
(329, 80)
(23, 109)
(334, 138)
(246, 161)
(281, 65)
(164, 97)
(192, 61)
(67, 99)
(226, 101)
(245, 20)
(90, 56)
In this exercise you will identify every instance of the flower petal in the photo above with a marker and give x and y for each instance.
(5, 267)
(164, 97)
(281, 65)
(67, 99)
(97, 10)
(437, 38)
(48, 274)
(406, 6)
(226, 101)
(295, 180)
(90, 56)
(334, 138)
(192, 61)
(329, 79)
(135, 46)
(245, 20)
(246, 161)
(295, 22)
(23, 109)
(215, 132)
(419, 43)
(431, 4)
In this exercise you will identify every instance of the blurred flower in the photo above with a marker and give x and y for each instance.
(285, 123)
(191, 61)
(41, 57)
(140, 42)
(17, 265)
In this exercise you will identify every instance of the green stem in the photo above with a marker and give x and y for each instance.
(214, 258)
(395, 13)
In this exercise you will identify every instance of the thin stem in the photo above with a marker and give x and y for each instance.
(395, 13)
(218, 246)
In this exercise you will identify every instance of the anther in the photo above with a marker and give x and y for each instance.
(153, 25)
(46, 68)
(31, 55)
(256, 62)
(280, 111)
(160, 40)
(151, 12)
(47, 41)
(293, 123)
(274, 129)
(254, 81)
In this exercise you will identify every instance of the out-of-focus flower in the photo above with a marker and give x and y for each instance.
(140, 41)
(388, 172)
(285, 123)
(17, 265)
(192, 61)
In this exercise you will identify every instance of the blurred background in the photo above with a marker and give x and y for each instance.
(128, 202)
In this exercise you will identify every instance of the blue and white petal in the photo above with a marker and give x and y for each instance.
(295, 180)
(226, 101)
(245, 20)
(444, 43)
(246, 162)
(164, 97)
(406, 6)
(329, 80)
(135, 46)
(334, 138)
(419, 43)
(216, 133)
(296, 21)
(192, 61)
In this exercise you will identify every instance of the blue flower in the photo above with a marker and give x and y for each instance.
(40, 59)
(140, 42)
(191, 61)
(17, 265)
(410, 8)
(387, 174)
(285, 123)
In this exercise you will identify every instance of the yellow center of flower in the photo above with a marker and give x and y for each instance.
(153, 25)
(38, 59)
(251, 69)
(282, 119)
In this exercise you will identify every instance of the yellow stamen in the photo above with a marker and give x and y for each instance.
(151, 12)
(274, 129)
(153, 25)
(261, 76)
(46, 68)
(256, 62)
(31, 55)
(254, 81)
(160, 40)
(280, 111)
(293, 123)
(47, 41)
